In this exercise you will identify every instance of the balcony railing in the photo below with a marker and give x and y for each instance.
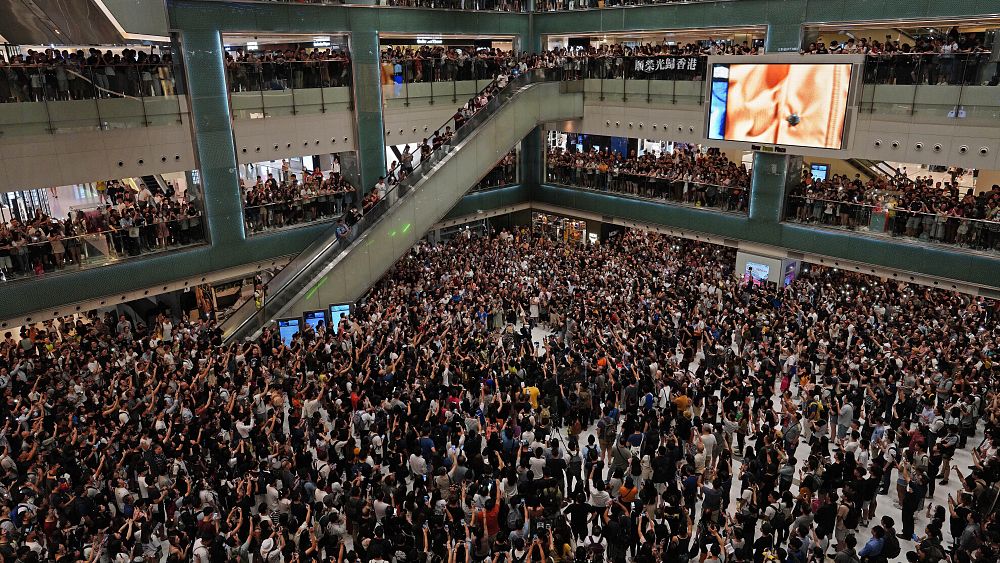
(503, 174)
(42, 255)
(470, 5)
(263, 89)
(299, 211)
(63, 81)
(931, 69)
(566, 5)
(696, 194)
(884, 220)
(50, 98)
(932, 88)
(503, 5)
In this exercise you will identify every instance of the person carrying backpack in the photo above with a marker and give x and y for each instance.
(890, 547)
(607, 431)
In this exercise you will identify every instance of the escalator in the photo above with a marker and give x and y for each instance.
(152, 182)
(333, 270)
(874, 169)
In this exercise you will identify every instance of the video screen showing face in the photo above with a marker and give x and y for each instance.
(802, 105)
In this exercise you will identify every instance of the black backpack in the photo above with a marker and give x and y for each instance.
(217, 553)
(890, 550)
(853, 517)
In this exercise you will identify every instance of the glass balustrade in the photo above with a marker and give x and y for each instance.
(651, 187)
(946, 88)
(62, 97)
(978, 231)
(263, 89)
(53, 247)
(325, 205)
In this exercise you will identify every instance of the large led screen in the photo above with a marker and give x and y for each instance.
(801, 105)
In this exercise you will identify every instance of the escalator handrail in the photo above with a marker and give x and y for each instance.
(321, 249)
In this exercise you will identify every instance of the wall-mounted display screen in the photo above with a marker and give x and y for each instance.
(757, 272)
(313, 318)
(287, 328)
(801, 105)
(337, 312)
(819, 172)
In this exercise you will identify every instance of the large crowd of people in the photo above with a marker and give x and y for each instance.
(59, 75)
(687, 175)
(683, 61)
(918, 207)
(513, 398)
(491, 5)
(256, 70)
(954, 57)
(127, 223)
(272, 203)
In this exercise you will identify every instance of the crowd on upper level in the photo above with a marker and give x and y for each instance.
(518, 399)
(947, 58)
(272, 203)
(57, 75)
(686, 175)
(954, 57)
(126, 223)
(272, 69)
(917, 206)
(436, 63)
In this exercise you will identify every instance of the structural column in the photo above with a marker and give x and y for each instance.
(773, 173)
(223, 209)
(367, 82)
(531, 160)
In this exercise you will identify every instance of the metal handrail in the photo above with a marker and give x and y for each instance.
(885, 207)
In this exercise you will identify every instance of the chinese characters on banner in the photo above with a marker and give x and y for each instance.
(658, 64)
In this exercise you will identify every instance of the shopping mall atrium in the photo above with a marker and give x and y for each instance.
(500, 281)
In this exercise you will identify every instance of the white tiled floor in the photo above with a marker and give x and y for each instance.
(886, 504)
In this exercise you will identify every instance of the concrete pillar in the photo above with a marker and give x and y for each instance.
(223, 210)
(531, 158)
(773, 174)
(368, 99)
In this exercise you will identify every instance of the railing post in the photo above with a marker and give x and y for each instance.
(322, 99)
(406, 85)
(291, 86)
(142, 98)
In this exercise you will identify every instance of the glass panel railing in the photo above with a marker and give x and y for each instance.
(62, 97)
(653, 188)
(293, 212)
(468, 5)
(302, 270)
(503, 174)
(262, 89)
(409, 80)
(930, 68)
(945, 227)
(673, 79)
(566, 5)
(60, 81)
(45, 249)
(940, 87)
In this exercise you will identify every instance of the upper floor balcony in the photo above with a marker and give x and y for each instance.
(513, 6)
(80, 92)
